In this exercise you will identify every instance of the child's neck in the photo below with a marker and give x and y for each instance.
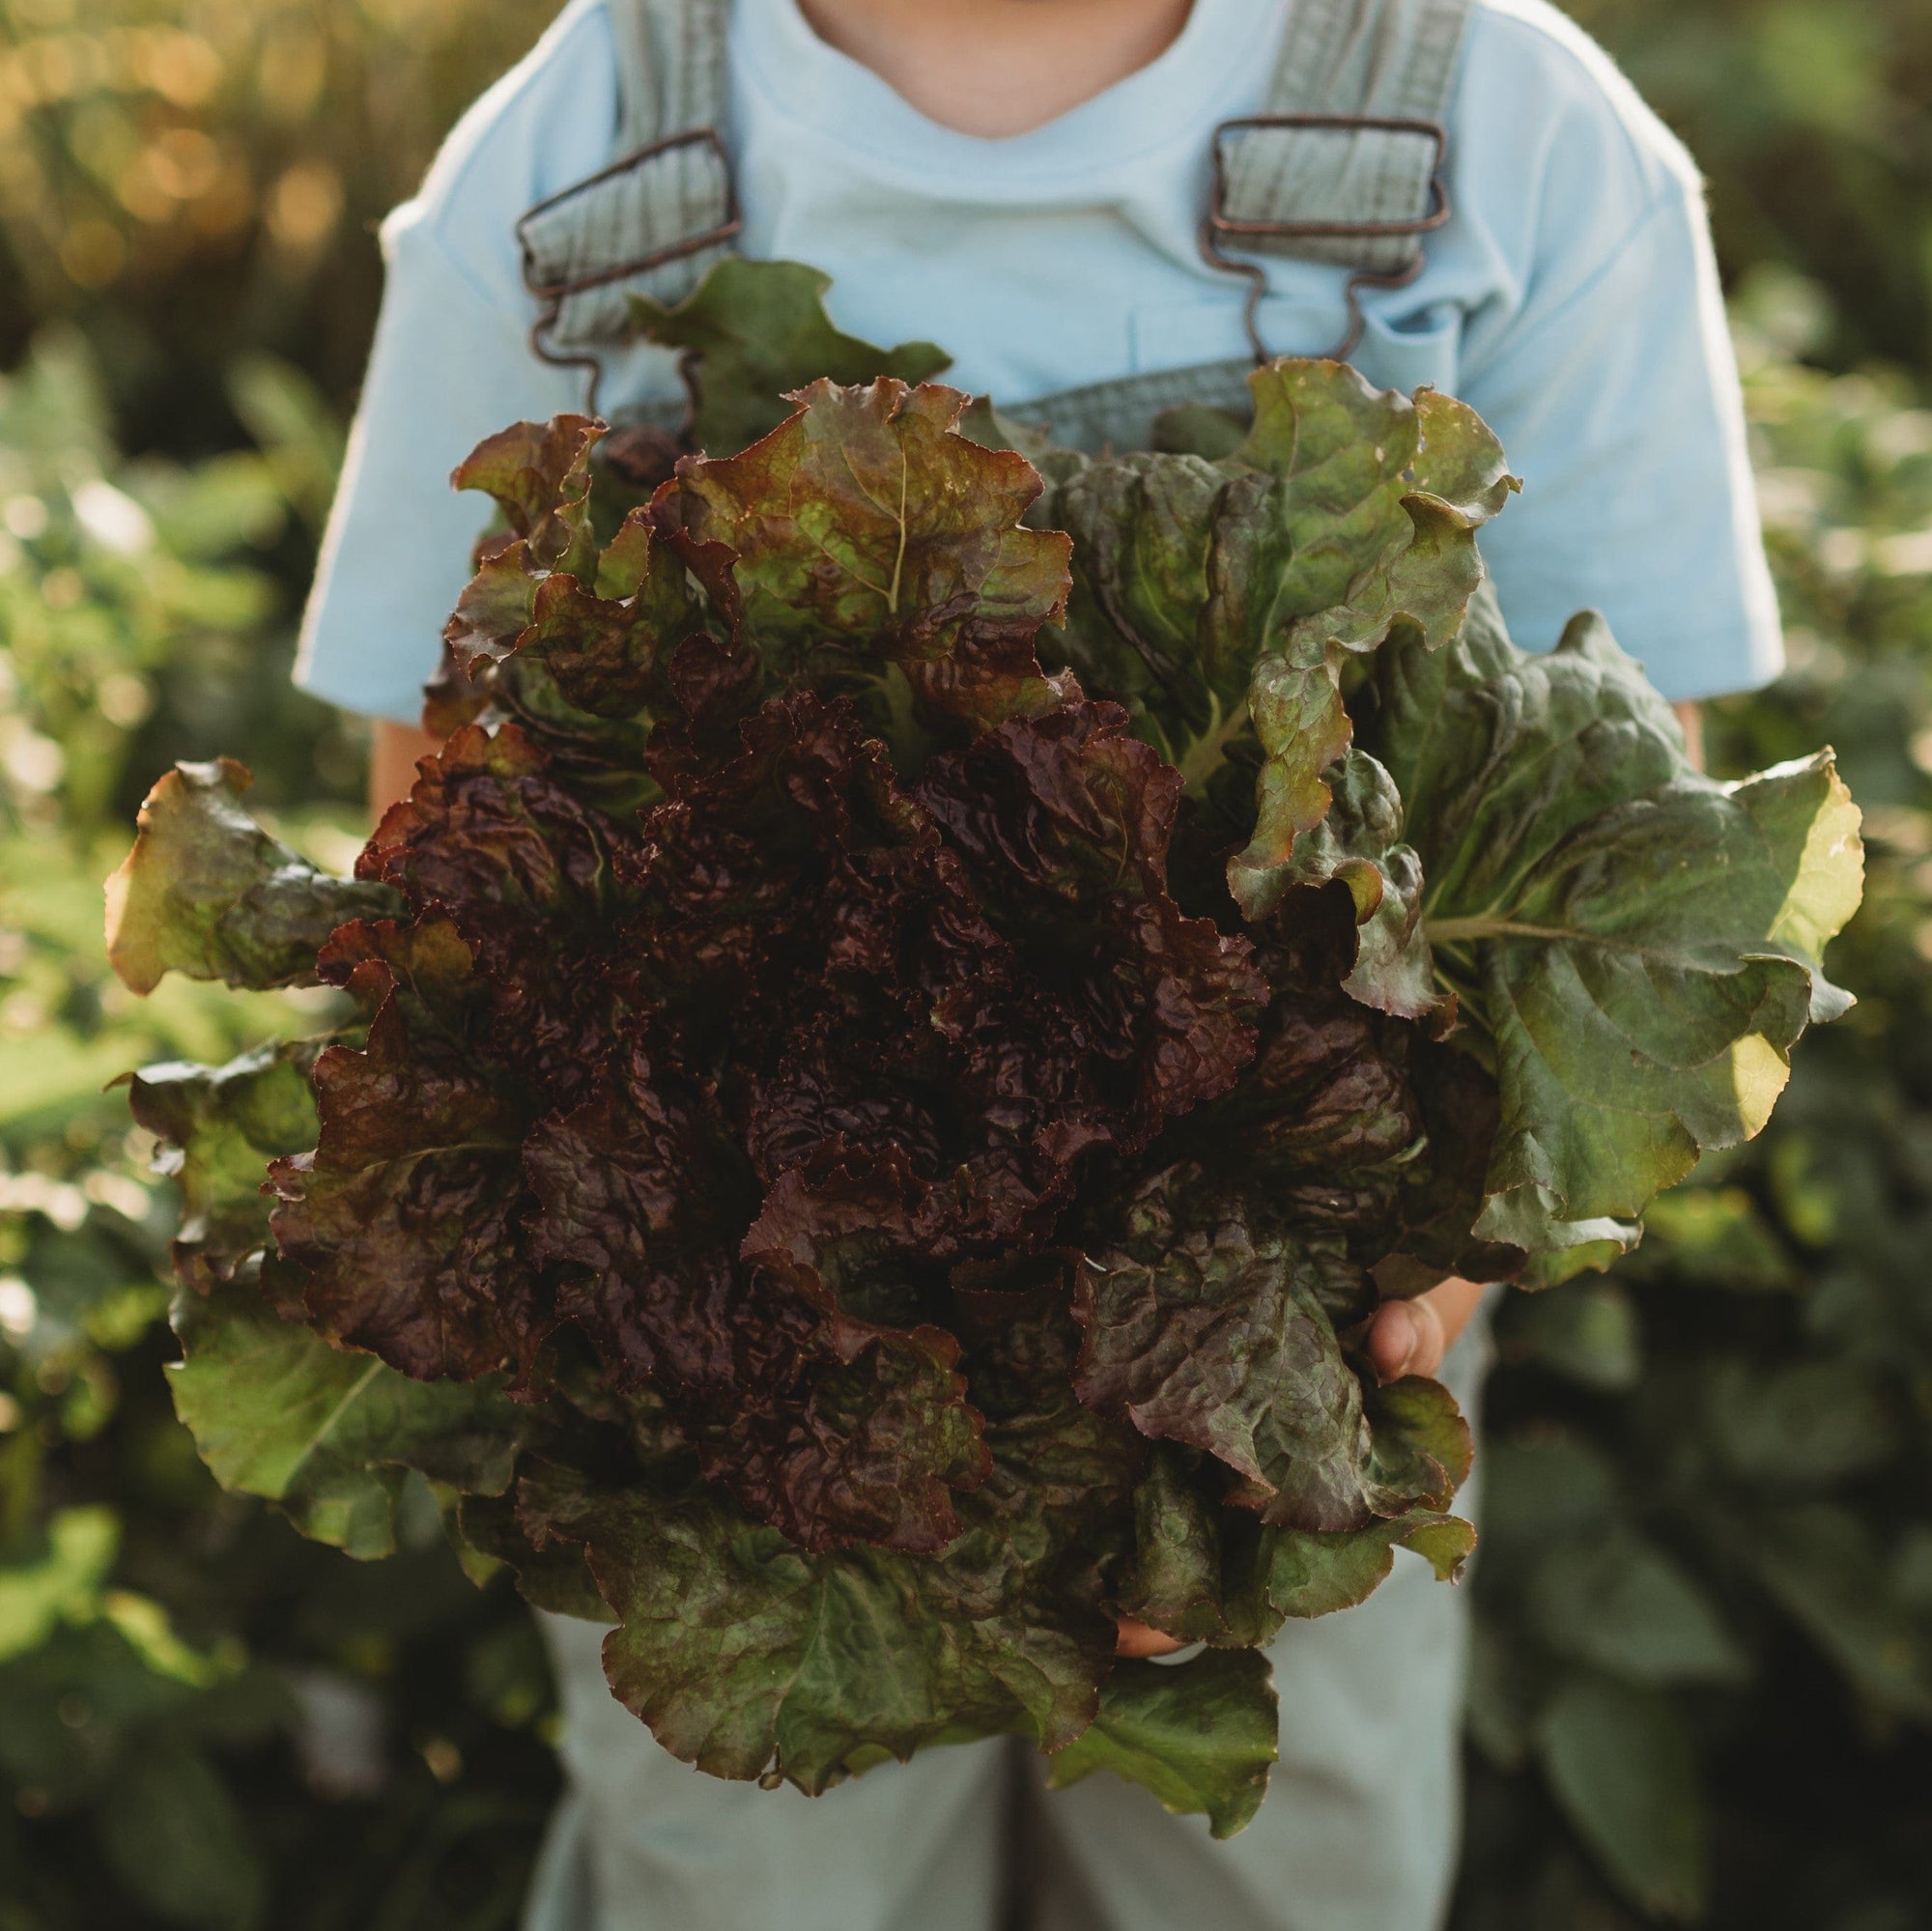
(995, 68)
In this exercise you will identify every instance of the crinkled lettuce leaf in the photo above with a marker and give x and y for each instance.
(869, 546)
(573, 637)
(934, 1008)
(404, 1219)
(862, 545)
(1199, 1333)
(274, 1410)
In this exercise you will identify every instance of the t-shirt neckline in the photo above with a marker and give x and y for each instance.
(812, 82)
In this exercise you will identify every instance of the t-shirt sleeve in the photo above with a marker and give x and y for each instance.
(1615, 393)
(451, 365)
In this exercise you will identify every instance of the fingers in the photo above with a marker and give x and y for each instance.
(1691, 716)
(1407, 1339)
(1411, 1337)
(1138, 1640)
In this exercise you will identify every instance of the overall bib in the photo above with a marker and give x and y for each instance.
(1360, 1827)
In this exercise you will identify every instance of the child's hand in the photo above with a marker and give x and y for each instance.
(1406, 1338)
(393, 757)
(1138, 1640)
(1411, 1337)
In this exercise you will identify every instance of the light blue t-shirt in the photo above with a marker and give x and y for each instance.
(1572, 298)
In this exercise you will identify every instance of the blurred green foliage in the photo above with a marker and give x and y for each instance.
(205, 1720)
(193, 181)
(1813, 121)
(1703, 1674)
(1704, 1679)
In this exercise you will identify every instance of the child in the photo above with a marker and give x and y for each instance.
(1050, 190)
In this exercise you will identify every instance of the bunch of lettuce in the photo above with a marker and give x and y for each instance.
(911, 1027)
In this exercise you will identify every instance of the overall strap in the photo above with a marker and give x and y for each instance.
(657, 218)
(1347, 166)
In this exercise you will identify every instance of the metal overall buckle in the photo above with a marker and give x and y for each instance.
(551, 295)
(1219, 225)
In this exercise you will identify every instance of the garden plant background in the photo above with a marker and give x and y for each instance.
(1704, 1675)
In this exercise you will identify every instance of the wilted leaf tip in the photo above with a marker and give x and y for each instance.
(206, 892)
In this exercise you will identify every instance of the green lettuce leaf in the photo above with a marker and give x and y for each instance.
(208, 893)
(220, 1126)
(1173, 1583)
(1359, 844)
(328, 1437)
(1210, 1574)
(1388, 521)
(1638, 944)
(1300, 1574)
(753, 331)
(1199, 1735)
(1218, 599)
